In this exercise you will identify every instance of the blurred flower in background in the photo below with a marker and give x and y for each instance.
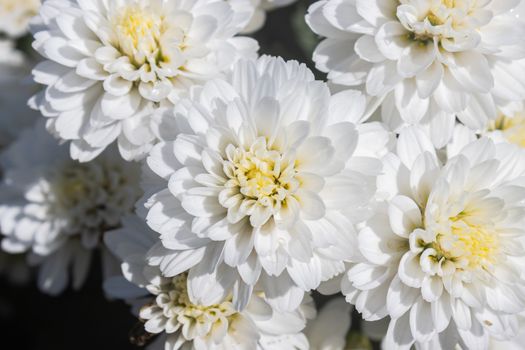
(57, 209)
(15, 16)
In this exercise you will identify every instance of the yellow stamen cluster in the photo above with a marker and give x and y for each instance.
(470, 244)
(71, 186)
(261, 174)
(30, 7)
(193, 320)
(139, 33)
(449, 3)
(513, 129)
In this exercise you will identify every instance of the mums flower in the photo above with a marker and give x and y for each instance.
(111, 64)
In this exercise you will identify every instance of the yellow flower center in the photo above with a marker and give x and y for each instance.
(440, 11)
(195, 320)
(18, 11)
(262, 174)
(71, 186)
(139, 32)
(29, 6)
(471, 243)
(513, 129)
(449, 3)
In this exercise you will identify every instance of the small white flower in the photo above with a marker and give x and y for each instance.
(56, 209)
(431, 61)
(111, 64)
(262, 183)
(165, 306)
(257, 10)
(329, 329)
(15, 89)
(443, 255)
(15, 16)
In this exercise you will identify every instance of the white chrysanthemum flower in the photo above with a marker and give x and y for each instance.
(15, 89)
(509, 126)
(165, 307)
(15, 16)
(329, 329)
(110, 64)
(56, 209)
(262, 182)
(443, 255)
(257, 10)
(430, 60)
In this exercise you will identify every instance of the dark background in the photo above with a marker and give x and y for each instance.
(86, 319)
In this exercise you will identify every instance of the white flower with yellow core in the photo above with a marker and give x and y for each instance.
(15, 16)
(168, 313)
(509, 126)
(262, 176)
(443, 254)
(430, 61)
(110, 64)
(57, 209)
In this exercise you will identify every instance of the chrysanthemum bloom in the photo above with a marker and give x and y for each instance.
(443, 255)
(261, 182)
(111, 63)
(165, 307)
(15, 89)
(258, 11)
(429, 60)
(55, 208)
(509, 126)
(15, 16)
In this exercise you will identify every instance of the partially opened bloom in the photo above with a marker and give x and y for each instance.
(15, 16)
(261, 182)
(164, 305)
(443, 254)
(110, 64)
(56, 209)
(431, 61)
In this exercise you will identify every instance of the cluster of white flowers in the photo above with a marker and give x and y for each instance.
(233, 187)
